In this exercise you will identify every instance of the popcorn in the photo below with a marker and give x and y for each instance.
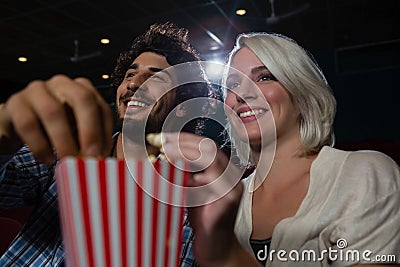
(155, 139)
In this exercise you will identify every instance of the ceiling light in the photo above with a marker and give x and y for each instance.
(214, 47)
(22, 59)
(105, 76)
(214, 37)
(241, 12)
(105, 41)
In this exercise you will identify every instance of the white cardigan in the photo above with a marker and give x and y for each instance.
(353, 199)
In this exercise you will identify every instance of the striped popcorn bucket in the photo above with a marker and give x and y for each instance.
(112, 215)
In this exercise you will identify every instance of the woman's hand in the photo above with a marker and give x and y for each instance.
(62, 115)
(214, 198)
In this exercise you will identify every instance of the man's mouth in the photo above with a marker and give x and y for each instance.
(136, 103)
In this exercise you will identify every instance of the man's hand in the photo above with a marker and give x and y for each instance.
(61, 115)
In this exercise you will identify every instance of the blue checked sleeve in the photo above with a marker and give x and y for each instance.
(187, 256)
(23, 180)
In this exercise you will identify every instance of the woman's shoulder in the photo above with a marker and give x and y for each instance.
(372, 158)
(372, 162)
(359, 159)
(370, 170)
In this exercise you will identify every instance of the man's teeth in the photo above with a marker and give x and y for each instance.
(251, 113)
(135, 103)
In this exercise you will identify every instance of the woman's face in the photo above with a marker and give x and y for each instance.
(256, 100)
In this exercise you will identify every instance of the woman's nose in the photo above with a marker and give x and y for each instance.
(246, 91)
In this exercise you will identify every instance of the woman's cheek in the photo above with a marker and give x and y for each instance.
(230, 101)
(275, 94)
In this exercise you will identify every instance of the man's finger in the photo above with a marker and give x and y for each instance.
(54, 119)
(91, 113)
(28, 127)
(105, 114)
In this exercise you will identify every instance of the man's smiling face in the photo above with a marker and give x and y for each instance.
(140, 96)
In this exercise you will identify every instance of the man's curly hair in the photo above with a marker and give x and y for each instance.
(164, 39)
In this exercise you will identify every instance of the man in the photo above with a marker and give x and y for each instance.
(64, 116)
(150, 54)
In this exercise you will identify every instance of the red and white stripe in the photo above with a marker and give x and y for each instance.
(109, 219)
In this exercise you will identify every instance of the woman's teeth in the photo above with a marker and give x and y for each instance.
(251, 113)
(135, 103)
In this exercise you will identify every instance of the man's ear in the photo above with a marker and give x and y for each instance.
(180, 110)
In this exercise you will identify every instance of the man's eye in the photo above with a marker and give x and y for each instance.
(129, 75)
(158, 77)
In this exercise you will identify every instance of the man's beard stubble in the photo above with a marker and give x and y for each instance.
(136, 129)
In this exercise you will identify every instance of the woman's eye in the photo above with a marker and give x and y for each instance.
(232, 85)
(267, 77)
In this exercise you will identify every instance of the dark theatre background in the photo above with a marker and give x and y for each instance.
(356, 42)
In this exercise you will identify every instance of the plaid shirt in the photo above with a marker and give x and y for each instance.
(23, 181)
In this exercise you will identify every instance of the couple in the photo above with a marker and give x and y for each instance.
(303, 194)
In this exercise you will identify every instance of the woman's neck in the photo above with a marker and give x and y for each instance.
(283, 163)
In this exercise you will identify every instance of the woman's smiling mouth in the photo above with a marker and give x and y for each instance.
(252, 112)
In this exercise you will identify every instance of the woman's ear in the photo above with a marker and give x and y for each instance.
(180, 110)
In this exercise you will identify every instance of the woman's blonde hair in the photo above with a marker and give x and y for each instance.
(297, 71)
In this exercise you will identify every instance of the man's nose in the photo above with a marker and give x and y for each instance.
(136, 83)
(132, 86)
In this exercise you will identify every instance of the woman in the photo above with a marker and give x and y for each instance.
(306, 204)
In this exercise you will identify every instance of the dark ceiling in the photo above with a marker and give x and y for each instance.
(45, 30)
(357, 37)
